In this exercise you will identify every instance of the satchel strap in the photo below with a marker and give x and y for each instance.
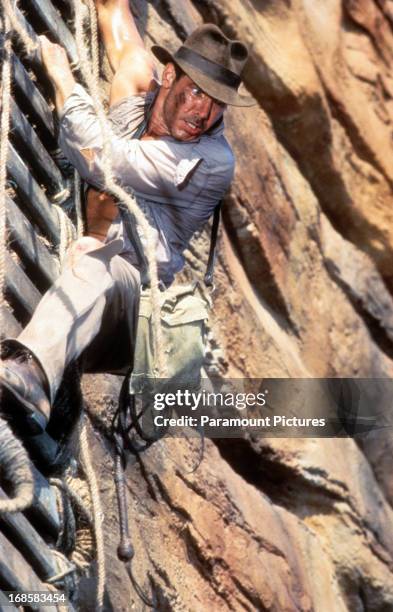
(213, 242)
(130, 227)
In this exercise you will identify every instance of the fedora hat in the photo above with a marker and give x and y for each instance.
(213, 61)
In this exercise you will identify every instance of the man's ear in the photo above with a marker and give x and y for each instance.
(168, 76)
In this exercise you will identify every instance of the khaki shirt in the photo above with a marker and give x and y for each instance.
(177, 184)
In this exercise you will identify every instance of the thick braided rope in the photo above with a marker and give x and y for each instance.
(67, 231)
(78, 491)
(95, 61)
(78, 204)
(116, 190)
(15, 467)
(68, 487)
(97, 513)
(4, 129)
(62, 562)
(9, 11)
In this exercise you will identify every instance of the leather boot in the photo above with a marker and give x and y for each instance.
(24, 388)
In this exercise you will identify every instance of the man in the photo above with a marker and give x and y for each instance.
(179, 169)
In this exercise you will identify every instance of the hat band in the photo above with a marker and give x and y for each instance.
(215, 71)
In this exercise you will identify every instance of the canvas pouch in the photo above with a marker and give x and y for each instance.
(184, 311)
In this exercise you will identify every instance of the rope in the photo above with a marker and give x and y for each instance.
(84, 550)
(95, 56)
(78, 204)
(15, 465)
(9, 11)
(63, 195)
(67, 231)
(97, 514)
(74, 495)
(116, 190)
(61, 514)
(4, 129)
(69, 568)
(78, 492)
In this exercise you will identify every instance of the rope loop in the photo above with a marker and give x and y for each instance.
(97, 511)
(15, 467)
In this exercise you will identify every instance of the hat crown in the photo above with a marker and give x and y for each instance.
(213, 61)
(210, 42)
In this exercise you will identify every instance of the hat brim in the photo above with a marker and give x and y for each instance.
(211, 86)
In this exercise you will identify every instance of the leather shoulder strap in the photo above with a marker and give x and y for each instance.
(130, 226)
(213, 242)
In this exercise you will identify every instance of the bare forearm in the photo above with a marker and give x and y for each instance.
(63, 89)
(118, 29)
(58, 69)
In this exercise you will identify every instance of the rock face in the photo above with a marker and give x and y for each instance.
(304, 283)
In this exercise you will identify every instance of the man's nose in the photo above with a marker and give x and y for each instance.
(204, 107)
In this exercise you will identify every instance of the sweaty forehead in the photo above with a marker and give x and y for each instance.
(186, 82)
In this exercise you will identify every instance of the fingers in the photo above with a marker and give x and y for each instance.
(54, 58)
(50, 49)
(44, 41)
(58, 69)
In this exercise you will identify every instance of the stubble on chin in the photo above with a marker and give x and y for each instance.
(170, 109)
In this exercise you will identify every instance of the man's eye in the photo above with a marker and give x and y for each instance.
(196, 91)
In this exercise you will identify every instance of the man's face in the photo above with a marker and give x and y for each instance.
(188, 111)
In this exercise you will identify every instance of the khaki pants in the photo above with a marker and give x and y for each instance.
(90, 312)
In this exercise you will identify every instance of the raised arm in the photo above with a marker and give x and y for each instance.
(132, 64)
